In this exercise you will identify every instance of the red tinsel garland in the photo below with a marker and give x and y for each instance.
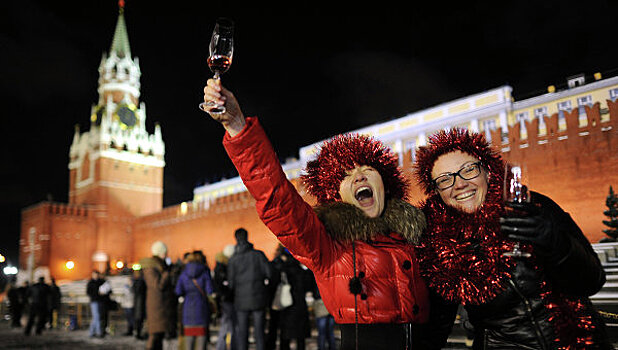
(461, 254)
(462, 261)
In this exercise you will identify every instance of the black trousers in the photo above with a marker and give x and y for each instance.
(38, 313)
(380, 336)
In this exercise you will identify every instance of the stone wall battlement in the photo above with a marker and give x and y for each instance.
(595, 127)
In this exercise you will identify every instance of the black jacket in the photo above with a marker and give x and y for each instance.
(92, 289)
(518, 318)
(39, 295)
(294, 320)
(221, 283)
(247, 271)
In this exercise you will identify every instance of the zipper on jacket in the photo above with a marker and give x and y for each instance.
(537, 328)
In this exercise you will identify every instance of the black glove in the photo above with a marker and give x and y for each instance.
(526, 223)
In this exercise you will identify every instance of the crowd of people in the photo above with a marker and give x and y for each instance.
(39, 301)
(185, 299)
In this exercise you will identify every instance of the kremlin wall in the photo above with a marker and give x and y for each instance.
(566, 141)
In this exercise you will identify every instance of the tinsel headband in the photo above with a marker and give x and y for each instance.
(446, 141)
(345, 152)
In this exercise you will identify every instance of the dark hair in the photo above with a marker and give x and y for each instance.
(240, 235)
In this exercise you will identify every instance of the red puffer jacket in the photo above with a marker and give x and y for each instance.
(393, 291)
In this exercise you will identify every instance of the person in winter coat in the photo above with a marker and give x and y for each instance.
(127, 303)
(38, 295)
(273, 313)
(195, 284)
(92, 290)
(15, 304)
(248, 271)
(358, 241)
(54, 303)
(138, 287)
(225, 300)
(159, 295)
(294, 320)
(535, 302)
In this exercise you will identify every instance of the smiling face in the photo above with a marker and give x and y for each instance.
(363, 187)
(465, 195)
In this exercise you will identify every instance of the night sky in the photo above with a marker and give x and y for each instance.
(309, 70)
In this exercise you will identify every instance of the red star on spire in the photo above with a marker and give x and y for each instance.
(121, 4)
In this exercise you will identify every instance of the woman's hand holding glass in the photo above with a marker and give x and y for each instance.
(516, 197)
(232, 119)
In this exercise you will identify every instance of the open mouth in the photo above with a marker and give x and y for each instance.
(363, 193)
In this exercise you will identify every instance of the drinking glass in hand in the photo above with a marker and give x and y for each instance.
(221, 50)
(515, 192)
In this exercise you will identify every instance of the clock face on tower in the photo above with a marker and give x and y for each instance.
(126, 114)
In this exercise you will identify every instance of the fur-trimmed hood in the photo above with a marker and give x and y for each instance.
(345, 223)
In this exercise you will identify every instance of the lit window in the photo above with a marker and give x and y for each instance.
(488, 126)
(562, 107)
(521, 117)
(540, 113)
(582, 102)
(411, 146)
(613, 94)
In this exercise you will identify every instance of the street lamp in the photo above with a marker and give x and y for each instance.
(70, 265)
(2, 258)
(10, 270)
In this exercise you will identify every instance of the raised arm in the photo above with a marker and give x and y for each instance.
(278, 203)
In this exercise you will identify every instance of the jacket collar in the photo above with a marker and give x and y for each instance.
(345, 223)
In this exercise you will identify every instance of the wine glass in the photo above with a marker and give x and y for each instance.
(221, 50)
(515, 192)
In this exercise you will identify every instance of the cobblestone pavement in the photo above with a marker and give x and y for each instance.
(62, 339)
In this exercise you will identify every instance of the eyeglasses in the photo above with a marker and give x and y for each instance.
(468, 172)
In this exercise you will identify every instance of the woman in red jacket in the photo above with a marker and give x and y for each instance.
(357, 241)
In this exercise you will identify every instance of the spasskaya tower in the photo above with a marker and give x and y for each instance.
(117, 163)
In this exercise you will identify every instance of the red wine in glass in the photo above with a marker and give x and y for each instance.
(219, 63)
(221, 50)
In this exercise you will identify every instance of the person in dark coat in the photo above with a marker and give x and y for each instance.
(15, 304)
(159, 295)
(38, 296)
(54, 305)
(248, 271)
(195, 284)
(225, 300)
(23, 297)
(138, 287)
(294, 319)
(92, 290)
(539, 301)
(273, 313)
(106, 303)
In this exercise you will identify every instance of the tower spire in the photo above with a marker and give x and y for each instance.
(120, 43)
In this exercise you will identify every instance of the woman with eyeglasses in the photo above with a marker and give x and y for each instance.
(535, 302)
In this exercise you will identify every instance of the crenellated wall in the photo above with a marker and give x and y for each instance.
(56, 233)
(187, 227)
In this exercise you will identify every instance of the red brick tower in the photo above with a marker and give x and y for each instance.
(116, 165)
